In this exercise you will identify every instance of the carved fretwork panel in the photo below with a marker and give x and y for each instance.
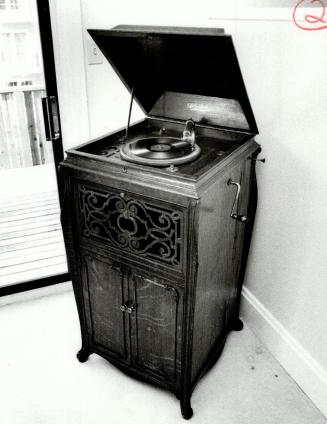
(132, 224)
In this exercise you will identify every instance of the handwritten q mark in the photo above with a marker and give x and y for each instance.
(311, 22)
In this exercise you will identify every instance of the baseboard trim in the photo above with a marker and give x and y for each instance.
(36, 293)
(297, 361)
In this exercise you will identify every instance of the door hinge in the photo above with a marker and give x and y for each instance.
(51, 118)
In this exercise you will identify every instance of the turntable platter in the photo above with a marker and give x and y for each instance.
(159, 151)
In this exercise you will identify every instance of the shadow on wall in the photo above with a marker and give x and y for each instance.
(287, 268)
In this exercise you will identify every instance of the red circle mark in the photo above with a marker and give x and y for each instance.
(313, 22)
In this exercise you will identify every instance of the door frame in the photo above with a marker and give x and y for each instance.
(43, 10)
(49, 69)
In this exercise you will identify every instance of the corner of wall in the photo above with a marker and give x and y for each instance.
(295, 359)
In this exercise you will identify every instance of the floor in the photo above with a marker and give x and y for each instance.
(31, 240)
(43, 383)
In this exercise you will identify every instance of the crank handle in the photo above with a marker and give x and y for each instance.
(233, 214)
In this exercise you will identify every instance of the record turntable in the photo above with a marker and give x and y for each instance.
(158, 216)
(189, 85)
(163, 150)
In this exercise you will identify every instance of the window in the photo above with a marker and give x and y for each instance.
(14, 4)
(5, 48)
(9, 4)
(20, 43)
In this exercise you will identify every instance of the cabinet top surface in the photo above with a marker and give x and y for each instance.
(217, 146)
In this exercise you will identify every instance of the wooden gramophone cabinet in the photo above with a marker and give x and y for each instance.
(157, 254)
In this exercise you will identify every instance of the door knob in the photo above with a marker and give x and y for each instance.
(128, 307)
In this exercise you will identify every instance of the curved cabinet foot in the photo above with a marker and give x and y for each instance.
(186, 409)
(237, 325)
(83, 354)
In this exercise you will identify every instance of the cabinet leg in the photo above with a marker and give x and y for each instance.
(237, 324)
(83, 354)
(186, 409)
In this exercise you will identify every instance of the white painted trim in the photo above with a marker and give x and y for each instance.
(297, 361)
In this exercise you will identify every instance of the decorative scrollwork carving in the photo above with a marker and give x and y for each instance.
(131, 224)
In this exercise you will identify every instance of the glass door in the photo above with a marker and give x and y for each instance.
(31, 241)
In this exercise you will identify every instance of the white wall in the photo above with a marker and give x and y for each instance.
(284, 68)
(284, 71)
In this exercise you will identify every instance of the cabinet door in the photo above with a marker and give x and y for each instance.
(103, 288)
(156, 326)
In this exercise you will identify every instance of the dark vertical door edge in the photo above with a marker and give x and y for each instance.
(50, 76)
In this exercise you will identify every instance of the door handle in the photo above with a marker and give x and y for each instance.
(128, 307)
(51, 118)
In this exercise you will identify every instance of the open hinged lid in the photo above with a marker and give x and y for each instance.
(180, 73)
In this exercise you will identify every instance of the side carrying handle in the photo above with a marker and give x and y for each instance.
(234, 214)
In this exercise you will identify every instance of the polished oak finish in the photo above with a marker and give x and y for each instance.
(157, 254)
(180, 74)
(156, 258)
